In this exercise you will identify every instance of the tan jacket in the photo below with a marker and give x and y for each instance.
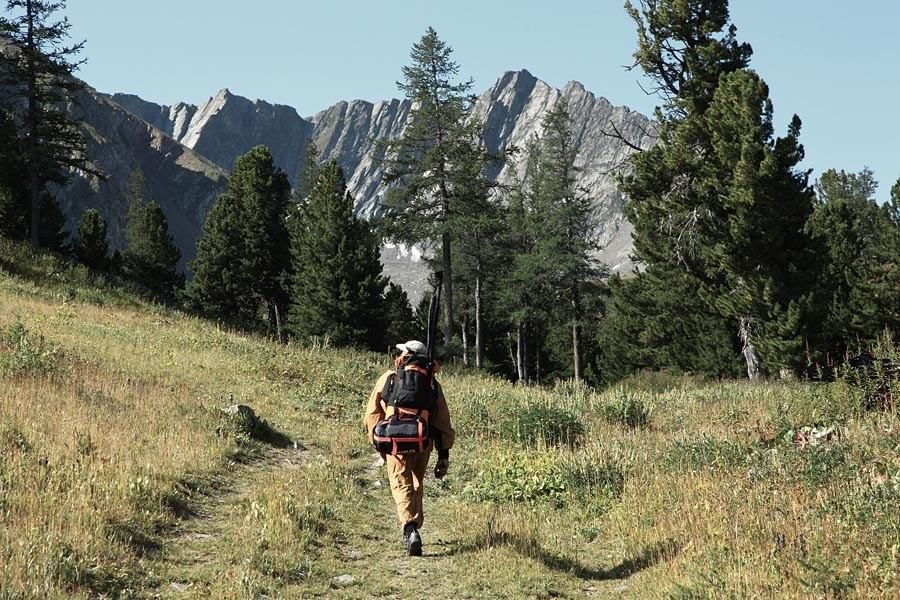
(440, 420)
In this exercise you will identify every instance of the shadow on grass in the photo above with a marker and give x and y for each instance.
(653, 554)
(265, 433)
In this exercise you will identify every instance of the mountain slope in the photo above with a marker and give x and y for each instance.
(181, 180)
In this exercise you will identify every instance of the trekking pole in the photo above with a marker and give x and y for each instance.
(433, 309)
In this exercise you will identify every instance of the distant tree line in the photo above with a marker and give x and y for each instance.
(745, 268)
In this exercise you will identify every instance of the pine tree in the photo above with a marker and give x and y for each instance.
(337, 281)
(422, 204)
(150, 258)
(525, 288)
(400, 321)
(37, 74)
(242, 254)
(717, 197)
(309, 171)
(13, 194)
(858, 291)
(476, 236)
(91, 246)
(566, 242)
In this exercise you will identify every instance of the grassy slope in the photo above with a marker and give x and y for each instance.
(119, 476)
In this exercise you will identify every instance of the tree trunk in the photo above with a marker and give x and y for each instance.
(523, 336)
(279, 328)
(33, 169)
(479, 339)
(537, 359)
(576, 334)
(745, 331)
(465, 340)
(520, 354)
(512, 356)
(448, 290)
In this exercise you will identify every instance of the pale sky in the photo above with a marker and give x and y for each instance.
(835, 63)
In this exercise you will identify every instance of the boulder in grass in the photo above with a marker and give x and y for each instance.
(342, 581)
(243, 419)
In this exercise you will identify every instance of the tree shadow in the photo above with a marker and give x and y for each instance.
(653, 554)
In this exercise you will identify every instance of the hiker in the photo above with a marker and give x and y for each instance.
(399, 398)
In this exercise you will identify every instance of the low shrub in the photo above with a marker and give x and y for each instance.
(705, 453)
(543, 424)
(24, 353)
(520, 477)
(628, 410)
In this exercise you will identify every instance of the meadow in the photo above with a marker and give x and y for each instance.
(121, 476)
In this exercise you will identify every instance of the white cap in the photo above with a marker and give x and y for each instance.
(413, 347)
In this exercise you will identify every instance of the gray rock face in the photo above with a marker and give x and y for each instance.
(226, 126)
(119, 143)
(512, 111)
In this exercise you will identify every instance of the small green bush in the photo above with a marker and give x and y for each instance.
(706, 453)
(628, 410)
(23, 353)
(541, 424)
(533, 477)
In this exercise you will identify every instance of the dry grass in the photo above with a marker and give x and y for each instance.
(117, 477)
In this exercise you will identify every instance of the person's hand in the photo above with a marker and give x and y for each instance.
(440, 469)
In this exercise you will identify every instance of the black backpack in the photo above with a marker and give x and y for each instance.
(413, 395)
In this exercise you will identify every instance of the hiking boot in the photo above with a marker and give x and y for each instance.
(412, 541)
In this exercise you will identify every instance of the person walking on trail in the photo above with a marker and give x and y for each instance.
(406, 417)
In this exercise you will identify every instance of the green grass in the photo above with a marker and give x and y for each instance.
(121, 477)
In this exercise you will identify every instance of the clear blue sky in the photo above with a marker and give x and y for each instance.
(834, 63)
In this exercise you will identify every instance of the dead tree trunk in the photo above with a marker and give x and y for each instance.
(465, 340)
(746, 328)
(576, 333)
(479, 339)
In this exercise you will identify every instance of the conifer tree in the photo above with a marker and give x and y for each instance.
(13, 194)
(400, 321)
(717, 197)
(336, 269)
(422, 204)
(242, 254)
(566, 242)
(858, 291)
(309, 170)
(91, 246)
(477, 231)
(525, 282)
(150, 258)
(38, 74)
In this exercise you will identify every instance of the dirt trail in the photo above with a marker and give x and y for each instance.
(192, 547)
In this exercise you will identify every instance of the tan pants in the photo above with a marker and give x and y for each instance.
(407, 474)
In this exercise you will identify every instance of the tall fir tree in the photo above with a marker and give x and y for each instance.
(150, 258)
(91, 247)
(243, 252)
(336, 269)
(421, 164)
(13, 193)
(400, 323)
(306, 176)
(858, 291)
(566, 243)
(717, 197)
(476, 235)
(525, 289)
(38, 74)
